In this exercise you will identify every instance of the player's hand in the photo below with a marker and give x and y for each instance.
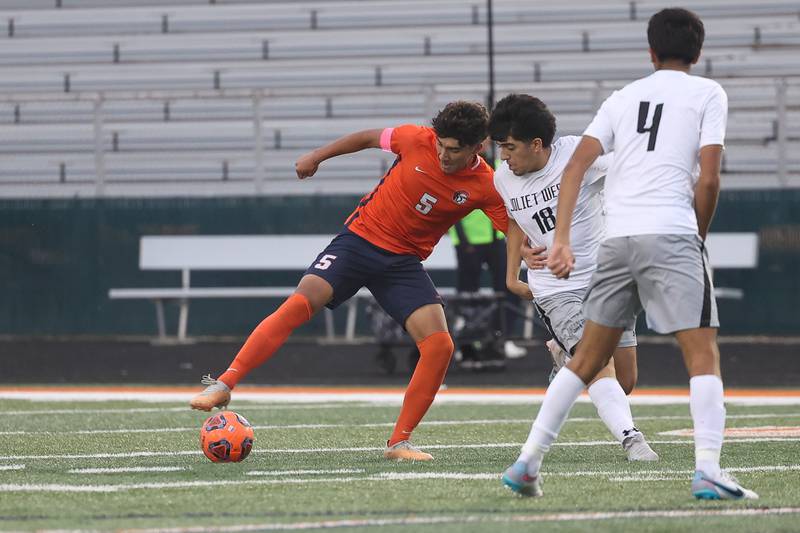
(521, 289)
(561, 261)
(306, 166)
(534, 257)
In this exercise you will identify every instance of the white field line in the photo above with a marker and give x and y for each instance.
(382, 476)
(272, 427)
(381, 398)
(500, 421)
(376, 398)
(677, 475)
(688, 417)
(10, 487)
(12, 467)
(633, 479)
(641, 475)
(124, 455)
(399, 476)
(513, 445)
(749, 431)
(476, 519)
(128, 470)
(182, 409)
(297, 472)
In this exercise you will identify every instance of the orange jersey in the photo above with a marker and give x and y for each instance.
(416, 202)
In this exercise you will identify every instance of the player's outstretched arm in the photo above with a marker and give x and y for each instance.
(514, 239)
(561, 261)
(307, 165)
(706, 191)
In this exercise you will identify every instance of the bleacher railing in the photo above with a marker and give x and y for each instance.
(258, 178)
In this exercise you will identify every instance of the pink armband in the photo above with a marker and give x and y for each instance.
(386, 139)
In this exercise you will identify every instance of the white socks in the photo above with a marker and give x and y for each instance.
(558, 400)
(612, 406)
(705, 400)
(708, 413)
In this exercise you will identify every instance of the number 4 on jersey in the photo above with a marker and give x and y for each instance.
(644, 110)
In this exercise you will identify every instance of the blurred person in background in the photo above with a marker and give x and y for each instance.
(477, 243)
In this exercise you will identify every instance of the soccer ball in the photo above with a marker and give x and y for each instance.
(226, 437)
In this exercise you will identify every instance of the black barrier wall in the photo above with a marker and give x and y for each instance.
(58, 259)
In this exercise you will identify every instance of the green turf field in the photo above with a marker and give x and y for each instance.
(317, 466)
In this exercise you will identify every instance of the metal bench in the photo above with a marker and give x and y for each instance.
(241, 252)
(296, 252)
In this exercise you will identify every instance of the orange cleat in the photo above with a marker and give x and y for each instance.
(216, 394)
(405, 451)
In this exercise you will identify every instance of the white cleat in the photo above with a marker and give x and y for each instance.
(637, 448)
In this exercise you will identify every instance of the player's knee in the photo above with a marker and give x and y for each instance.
(450, 344)
(447, 345)
(584, 368)
(316, 290)
(587, 365)
(439, 345)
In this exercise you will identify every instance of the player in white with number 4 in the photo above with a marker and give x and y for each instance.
(528, 180)
(660, 129)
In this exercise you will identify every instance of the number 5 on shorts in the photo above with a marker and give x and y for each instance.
(325, 261)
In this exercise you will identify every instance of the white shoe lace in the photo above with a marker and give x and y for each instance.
(213, 385)
(727, 477)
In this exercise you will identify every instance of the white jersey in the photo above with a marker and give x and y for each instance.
(531, 200)
(656, 126)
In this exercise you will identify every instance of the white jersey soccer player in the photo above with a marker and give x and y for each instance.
(524, 128)
(531, 199)
(655, 195)
(660, 128)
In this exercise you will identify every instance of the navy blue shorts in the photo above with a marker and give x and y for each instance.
(398, 282)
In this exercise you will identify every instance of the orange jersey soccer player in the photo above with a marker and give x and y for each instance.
(437, 178)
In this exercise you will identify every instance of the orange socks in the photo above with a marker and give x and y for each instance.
(435, 352)
(434, 357)
(268, 336)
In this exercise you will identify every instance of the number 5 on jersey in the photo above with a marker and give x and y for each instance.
(325, 261)
(426, 203)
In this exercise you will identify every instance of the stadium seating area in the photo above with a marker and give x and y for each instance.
(142, 98)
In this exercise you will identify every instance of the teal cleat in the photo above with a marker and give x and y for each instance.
(517, 479)
(725, 487)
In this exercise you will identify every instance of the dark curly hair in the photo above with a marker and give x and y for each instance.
(676, 33)
(466, 122)
(523, 117)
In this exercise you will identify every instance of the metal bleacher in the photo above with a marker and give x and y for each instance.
(138, 97)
